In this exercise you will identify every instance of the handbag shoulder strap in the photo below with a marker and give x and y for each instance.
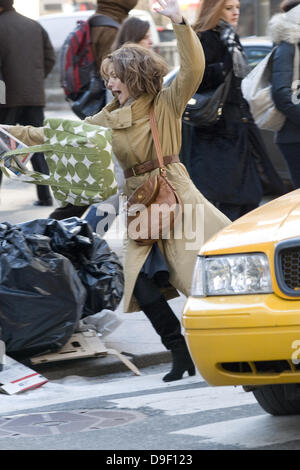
(155, 136)
(30, 149)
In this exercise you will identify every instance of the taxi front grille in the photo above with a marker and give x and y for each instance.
(287, 267)
(290, 261)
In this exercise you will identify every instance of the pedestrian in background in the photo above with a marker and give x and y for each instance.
(284, 30)
(228, 160)
(26, 57)
(134, 30)
(155, 273)
(102, 38)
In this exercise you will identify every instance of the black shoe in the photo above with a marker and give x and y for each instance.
(182, 362)
(61, 213)
(47, 202)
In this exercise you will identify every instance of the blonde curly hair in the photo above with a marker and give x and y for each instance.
(140, 69)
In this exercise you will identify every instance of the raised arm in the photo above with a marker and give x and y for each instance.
(192, 59)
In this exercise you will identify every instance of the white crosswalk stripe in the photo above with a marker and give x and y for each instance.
(188, 401)
(250, 432)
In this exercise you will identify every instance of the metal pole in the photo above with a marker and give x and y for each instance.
(262, 16)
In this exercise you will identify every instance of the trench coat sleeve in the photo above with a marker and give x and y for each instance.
(192, 65)
(29, 135)
(282, 77)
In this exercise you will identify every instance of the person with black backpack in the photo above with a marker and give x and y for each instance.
(104, 36)
(82, 53)
(284, 30)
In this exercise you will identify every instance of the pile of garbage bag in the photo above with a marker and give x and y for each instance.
(52, 274)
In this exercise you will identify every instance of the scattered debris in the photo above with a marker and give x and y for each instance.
(81, 345)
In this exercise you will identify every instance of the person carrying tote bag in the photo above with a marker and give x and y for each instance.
(155, 273)
(228, 161)
(284, 30)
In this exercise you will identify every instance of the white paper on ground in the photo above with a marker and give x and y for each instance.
(16, 378)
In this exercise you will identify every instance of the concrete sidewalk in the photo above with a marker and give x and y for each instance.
(134, 336)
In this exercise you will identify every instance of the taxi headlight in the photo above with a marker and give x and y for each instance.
(231, 275)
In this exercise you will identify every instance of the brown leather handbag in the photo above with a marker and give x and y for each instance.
(154, 207)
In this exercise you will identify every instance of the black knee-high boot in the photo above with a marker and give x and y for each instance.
(182, 362)
(167, 325)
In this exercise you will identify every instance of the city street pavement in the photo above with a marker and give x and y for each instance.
(134, 336)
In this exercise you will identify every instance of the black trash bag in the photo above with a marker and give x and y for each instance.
(41, 295)
(99, 268)
(101, 273)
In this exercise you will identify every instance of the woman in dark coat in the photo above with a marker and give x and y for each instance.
(228, 160)
(284, 30)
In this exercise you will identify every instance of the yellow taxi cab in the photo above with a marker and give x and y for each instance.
(242, 319)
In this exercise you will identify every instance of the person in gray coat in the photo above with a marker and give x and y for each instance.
(27, 57)
(284, 30)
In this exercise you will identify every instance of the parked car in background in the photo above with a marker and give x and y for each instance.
(256, 48)
(59, 25)
(166, 34)
(242, 319)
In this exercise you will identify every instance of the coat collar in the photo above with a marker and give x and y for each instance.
(283, 27)
(123, 117)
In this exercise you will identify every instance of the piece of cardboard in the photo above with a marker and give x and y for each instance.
(16, 377)
(80, 345)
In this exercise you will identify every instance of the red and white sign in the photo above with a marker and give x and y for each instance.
(16, 378)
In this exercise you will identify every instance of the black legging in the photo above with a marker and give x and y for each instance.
(158, 311)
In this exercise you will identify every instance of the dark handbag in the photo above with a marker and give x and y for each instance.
(154, 207)
(205, 109)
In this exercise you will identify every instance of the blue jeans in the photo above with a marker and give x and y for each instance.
(98, 213)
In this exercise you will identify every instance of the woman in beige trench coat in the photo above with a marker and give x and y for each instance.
(128, 117)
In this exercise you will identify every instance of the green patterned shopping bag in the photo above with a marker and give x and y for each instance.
(79, 158)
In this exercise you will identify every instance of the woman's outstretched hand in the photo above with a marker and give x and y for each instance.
(169, 8)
